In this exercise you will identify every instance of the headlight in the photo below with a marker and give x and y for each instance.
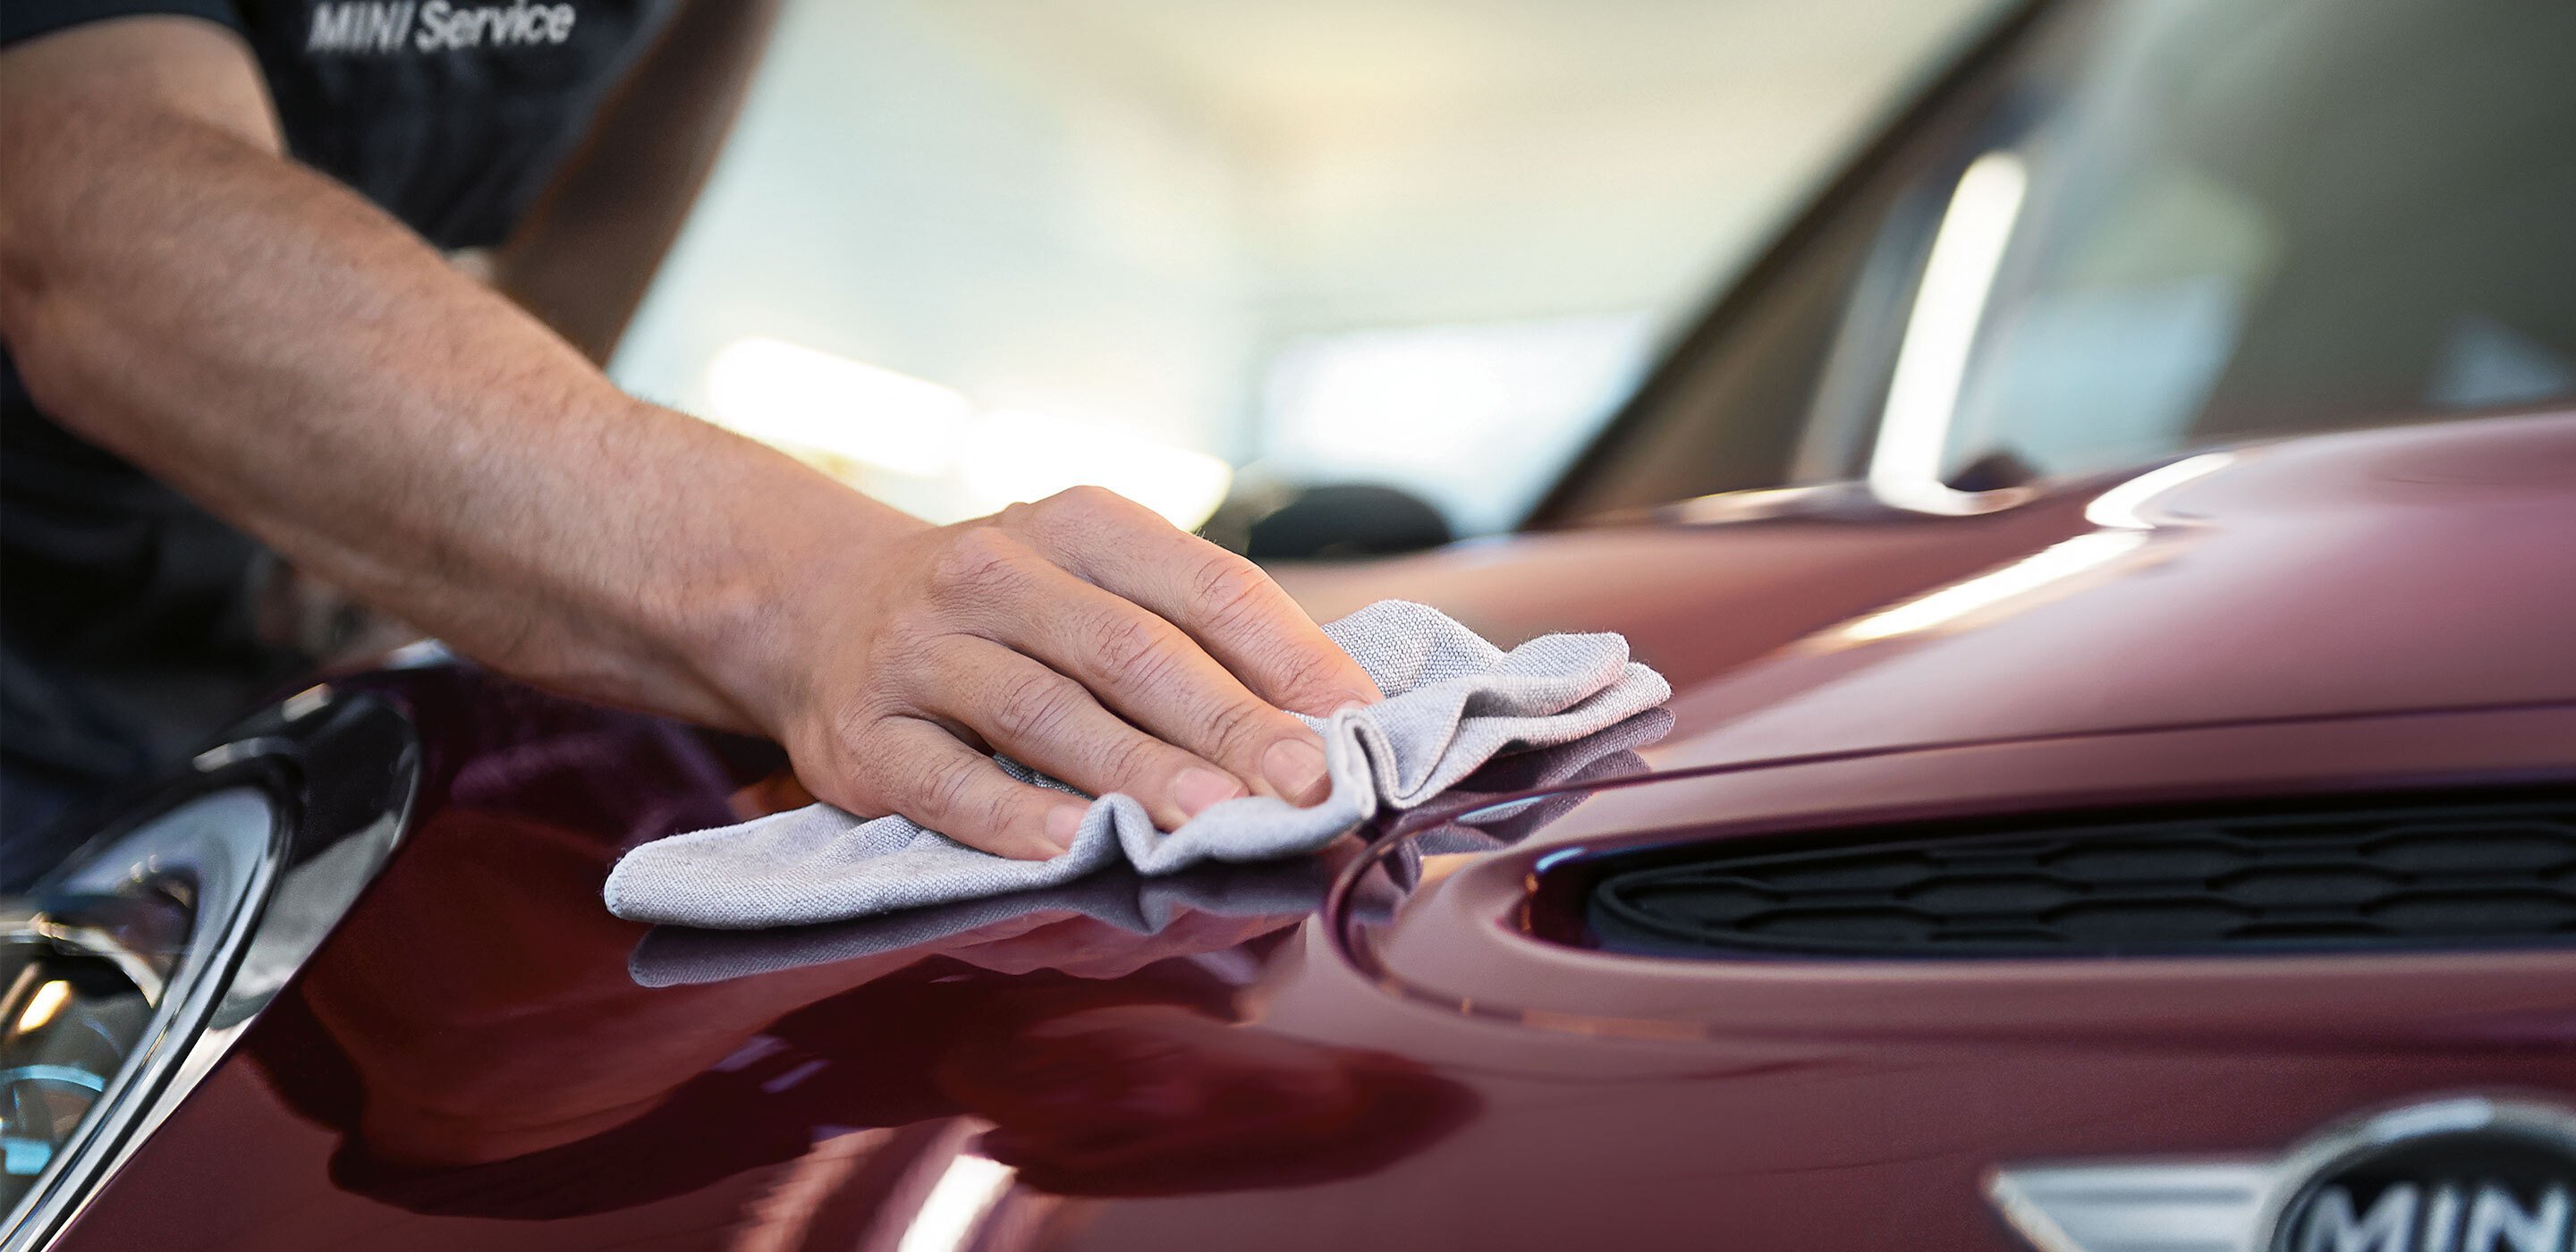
(127, 973)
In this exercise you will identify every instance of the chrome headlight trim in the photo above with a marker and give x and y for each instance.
(280, 828)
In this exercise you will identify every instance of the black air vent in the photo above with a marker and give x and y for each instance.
(2495, 872)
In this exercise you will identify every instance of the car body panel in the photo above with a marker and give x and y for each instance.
(476, 1058)
(2411, 567)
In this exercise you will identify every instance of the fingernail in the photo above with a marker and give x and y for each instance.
(1197, 790)
(1340, 701)
(1063, 822)
(1295, 769)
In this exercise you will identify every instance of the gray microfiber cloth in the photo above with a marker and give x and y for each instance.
(1453, 702)
(1116, 896)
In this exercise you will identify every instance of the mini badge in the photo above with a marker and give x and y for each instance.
(2469, 1174)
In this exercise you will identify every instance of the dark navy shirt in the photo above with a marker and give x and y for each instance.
(115, 592)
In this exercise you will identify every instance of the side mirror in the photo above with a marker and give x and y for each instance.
(1342, 521)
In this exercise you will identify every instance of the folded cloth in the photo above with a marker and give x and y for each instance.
(1453, 702)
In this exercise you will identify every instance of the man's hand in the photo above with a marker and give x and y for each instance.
(1082, 635)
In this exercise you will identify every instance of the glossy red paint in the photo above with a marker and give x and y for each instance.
(472, 1062)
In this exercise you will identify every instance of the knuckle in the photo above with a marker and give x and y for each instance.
(908, 635)
(1238, 727)
(979, 559)
(851, 726)
(1131, 651)
(1232, 592)
(945, 789)
(856, 741)
(1085, 500)
(1073, 515)
(909, 663)
(1033, 707)
(1308, 677)
(1136, 759)
(1000, 810)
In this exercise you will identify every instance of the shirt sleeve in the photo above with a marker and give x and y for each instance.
(26, 19)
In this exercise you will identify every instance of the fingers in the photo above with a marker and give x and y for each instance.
(926, 774)
(1224, 602)
(1140, 665)
(1087, 638)
(1046, 720)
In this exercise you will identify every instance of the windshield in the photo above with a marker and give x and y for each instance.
(2256, 219)
(2157, 226)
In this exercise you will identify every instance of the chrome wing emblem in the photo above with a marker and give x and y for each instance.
(2144, 1206)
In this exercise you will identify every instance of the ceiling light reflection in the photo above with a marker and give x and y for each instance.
(42, 1006)
(957, 1203)
(2120, 512)
(1958, 600)
(2121, 507)
(1932, 362)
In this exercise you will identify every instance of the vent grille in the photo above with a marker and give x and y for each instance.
(2492, 873)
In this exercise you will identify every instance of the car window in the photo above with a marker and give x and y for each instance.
(2154, 226)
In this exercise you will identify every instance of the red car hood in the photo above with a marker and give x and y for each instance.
(1375, 1050)
(2413, 568)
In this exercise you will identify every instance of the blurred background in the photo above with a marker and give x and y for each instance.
(965, 252)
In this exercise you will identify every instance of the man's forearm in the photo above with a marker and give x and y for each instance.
(288, 355)
(293, 359)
